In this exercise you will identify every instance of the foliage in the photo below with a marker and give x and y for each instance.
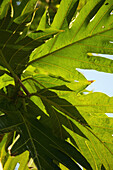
(43, 108)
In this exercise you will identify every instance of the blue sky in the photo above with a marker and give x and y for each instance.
(104, 81)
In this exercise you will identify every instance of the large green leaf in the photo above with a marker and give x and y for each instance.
(46, 149)
(73, 48)
(49, 101)
(98, 149)
(55, 121)
(92, 107)
(44, 80)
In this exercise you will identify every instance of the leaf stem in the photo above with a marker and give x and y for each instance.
(23, 87)
(16, 78)
(24, 105)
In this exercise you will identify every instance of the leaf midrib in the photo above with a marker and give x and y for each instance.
(78, 41)
(31, 139)
(40, 168)
(54, 104)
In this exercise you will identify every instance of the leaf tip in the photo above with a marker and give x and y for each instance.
(91, 81)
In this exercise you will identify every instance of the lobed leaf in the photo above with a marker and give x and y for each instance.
(74, 47)
(37, 138)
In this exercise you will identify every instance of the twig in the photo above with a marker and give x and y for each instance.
(23, 87)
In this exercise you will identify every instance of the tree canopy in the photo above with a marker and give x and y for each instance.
(47, 121)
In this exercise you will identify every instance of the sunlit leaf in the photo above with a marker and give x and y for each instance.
(73, 48)
(22, 161)
(42, 102)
